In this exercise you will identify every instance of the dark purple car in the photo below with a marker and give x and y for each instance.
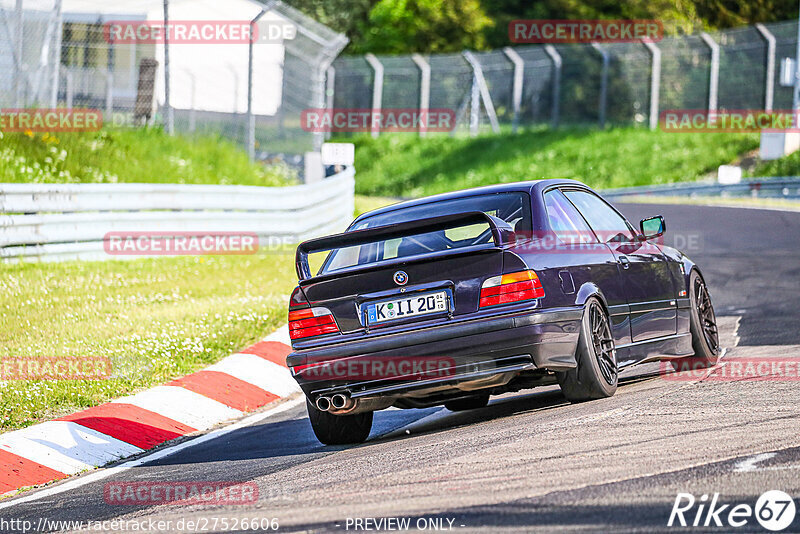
(453, 298)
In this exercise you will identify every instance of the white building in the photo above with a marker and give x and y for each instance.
(64, 56)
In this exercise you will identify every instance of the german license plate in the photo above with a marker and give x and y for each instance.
(407, 307)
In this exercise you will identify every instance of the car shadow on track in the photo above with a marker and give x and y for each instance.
(501, 407)
(540, 399)
(285, 438)
(293, 437)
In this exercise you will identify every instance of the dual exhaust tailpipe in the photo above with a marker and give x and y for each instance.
(335, 403)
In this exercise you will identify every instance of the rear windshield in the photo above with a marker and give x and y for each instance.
(514, 208)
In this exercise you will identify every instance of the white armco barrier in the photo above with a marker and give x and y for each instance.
(70, 221)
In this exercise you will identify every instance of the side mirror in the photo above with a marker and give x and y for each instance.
(653, 227)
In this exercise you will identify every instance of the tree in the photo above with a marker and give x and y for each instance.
(677, 16)
(402, 26)
(729, 13)
(349, 17)
(406, 26)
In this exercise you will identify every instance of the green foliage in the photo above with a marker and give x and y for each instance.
(155, 319)
(366, 203)
(729, 13)
(349, 17)
(424, 26)
(130, 155)
(675, 14)
(433, 25)
(403, 165)
(785, 166)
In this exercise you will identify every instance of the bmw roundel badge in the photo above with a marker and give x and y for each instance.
(400, 278)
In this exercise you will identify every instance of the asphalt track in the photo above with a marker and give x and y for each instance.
(530, 461)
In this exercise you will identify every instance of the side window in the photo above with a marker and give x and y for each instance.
(607, 223)
(565, 220)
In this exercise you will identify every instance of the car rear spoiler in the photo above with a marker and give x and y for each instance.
(501, 233)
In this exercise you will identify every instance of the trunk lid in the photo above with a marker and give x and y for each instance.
(441, 260)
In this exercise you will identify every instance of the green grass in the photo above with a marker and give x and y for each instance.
(365, 203)
(785, 166)
(403, 165)
(156, 319)
(144, 155)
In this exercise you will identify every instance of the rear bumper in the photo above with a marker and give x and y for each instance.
(456, 355)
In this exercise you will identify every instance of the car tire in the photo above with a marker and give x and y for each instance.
(702, 323)
(470, 403)
(596, 375)
(339, 429)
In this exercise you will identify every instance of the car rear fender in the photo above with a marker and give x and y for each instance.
(550, 276)
(588, 290)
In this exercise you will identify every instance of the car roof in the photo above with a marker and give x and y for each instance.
(531, 187)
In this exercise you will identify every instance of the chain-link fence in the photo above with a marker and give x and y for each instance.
(583, 84)
(75, 53)
(244, 69)
(28, 55)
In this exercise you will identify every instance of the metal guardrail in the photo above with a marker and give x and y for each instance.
(69, 221)
(785, 187)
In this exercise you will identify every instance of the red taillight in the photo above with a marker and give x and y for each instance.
(310, 322)
(512, 287)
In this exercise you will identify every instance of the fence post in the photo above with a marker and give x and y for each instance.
(18, 49)
(713, 82)
(318, 97)
(330, 88)
(601, 115)
(519, 73)
(109, 93)
(235, 77)
(796, 83)
(769, 89)
(479, 81)
(193, 110)
(170, 122)
(556, 58)
(377, 91)
(55, 53)
(474, 108)
(655, 81)
(424, 91)
(251, 120)
(69, 88)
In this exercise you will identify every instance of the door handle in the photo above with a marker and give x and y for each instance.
(624, 261)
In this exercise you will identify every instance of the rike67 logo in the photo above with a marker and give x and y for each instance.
(774, 510)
